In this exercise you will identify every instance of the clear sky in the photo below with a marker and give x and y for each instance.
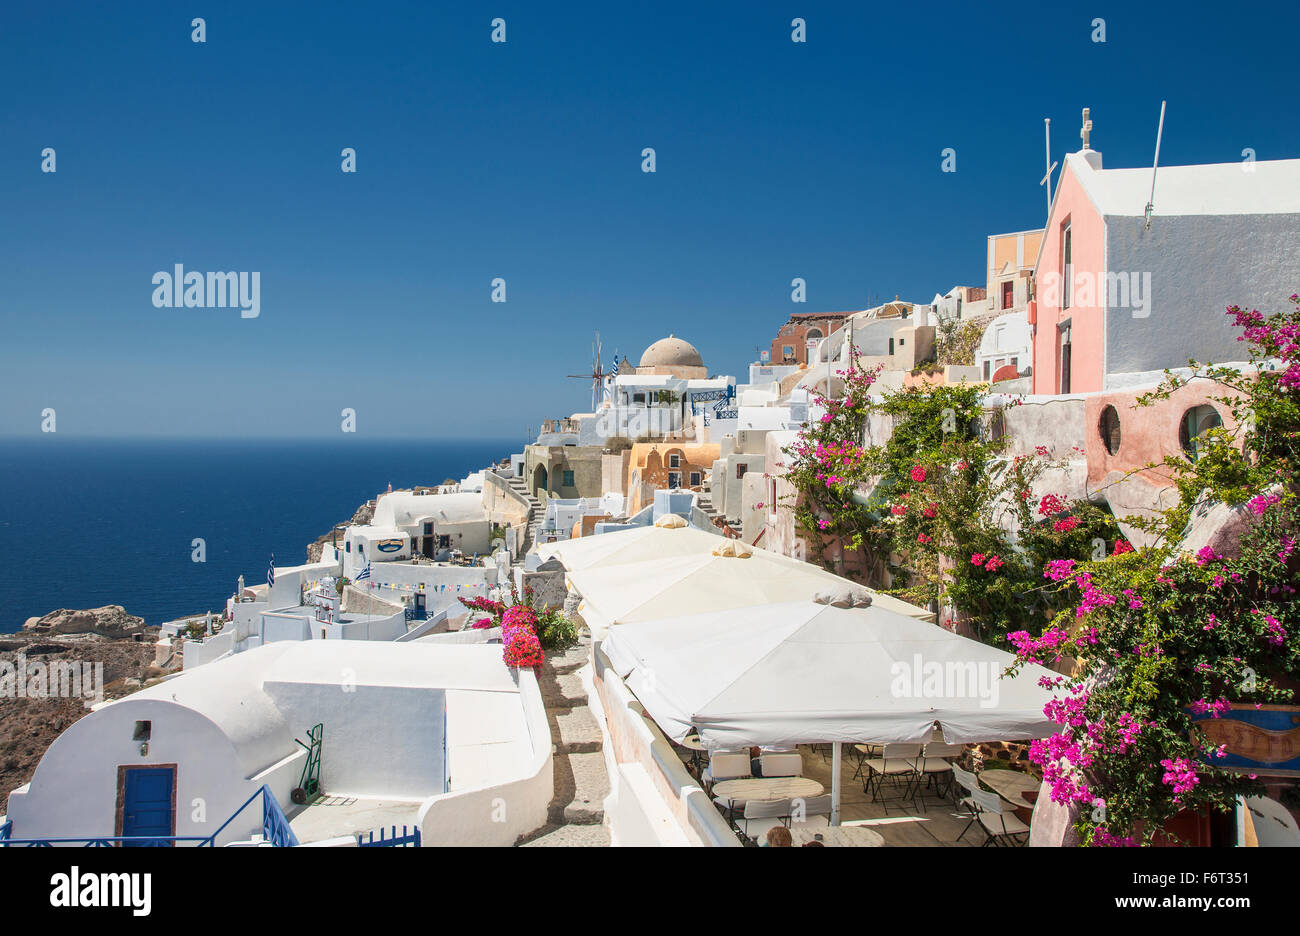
(522, 160)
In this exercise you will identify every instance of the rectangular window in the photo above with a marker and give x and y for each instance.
(1008, 294)
(1063, 352)
(1067, 268)
(674, 479)
(891, 345)
(986, 370)
(696, 480)
(347, 547)
(674, 460)
(740, 470)
(638, 399)
(143, 731)
(428, 529)
(568, 479)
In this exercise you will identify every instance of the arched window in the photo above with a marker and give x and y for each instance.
(1108, 426)
(1195, 422)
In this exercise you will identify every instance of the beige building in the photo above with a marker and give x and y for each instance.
(1010, 267)
(563, 470)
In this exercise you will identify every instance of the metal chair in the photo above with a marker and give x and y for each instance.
(1001, 827)
(896, 763)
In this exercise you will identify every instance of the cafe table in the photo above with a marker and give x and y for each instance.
(766, 788)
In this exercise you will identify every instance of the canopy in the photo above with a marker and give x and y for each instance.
(804, 672)
(619, 583)
(619, 547)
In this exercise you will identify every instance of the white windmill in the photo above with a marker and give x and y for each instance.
(598, 373)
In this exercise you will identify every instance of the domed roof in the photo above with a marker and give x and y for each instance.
(671, 352)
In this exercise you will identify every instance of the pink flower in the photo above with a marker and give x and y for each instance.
(1261, 502)
(1122, 546)
(994, 563)
(824, 524)
(898, 510)
(1058, 569)
(930, 510)
(918, 473)
(1066, 525)
(977, 559)
(922, 538)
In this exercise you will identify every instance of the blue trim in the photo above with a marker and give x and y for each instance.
(275, 829)
(392, 839)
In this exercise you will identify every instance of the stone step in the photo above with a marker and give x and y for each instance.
(563, 690)
(574, 730)
(568, 836)
(581, 786)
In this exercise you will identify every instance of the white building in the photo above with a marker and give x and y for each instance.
(1007, 342)
(421, 734)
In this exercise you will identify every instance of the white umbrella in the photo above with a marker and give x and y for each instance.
(688, 584)
(805, 672)
(620, 547)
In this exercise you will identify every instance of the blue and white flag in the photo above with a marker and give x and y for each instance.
(364, 573)
(270, 571)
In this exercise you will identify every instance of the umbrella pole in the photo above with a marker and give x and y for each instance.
(836, 761)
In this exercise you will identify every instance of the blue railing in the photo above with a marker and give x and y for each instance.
(275, 829)
(391, 840)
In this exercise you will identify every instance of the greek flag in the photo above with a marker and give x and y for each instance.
(270, 571)
(364, 573)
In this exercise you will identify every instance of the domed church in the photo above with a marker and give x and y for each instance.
(671, 357)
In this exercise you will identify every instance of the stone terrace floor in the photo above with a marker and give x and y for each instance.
(936, 824)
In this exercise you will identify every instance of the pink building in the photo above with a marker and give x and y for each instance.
(1118, 299)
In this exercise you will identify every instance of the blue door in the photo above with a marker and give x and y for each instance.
(147, 801)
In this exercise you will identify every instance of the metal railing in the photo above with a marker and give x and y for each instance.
(275, 830)
(391, 839)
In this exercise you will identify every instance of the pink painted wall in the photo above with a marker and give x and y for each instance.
(1147, 433)
(1088, 254)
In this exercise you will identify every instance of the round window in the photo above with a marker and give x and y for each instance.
(1109, 429)
(1195, 422)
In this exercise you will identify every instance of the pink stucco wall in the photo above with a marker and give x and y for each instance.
(1088, 254)
(1147, 433)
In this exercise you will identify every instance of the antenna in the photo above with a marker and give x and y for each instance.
(1151, 203)
(1047, 179)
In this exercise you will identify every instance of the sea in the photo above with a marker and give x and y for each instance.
(86, 523)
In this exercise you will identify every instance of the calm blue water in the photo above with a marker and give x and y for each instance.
(89, 523)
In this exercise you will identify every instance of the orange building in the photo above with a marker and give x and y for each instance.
(657, 465)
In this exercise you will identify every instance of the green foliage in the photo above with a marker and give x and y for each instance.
(938, 495)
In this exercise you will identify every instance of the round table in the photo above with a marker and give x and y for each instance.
(837, 836)
(693, 744)
(767, 788)
(1011, 785)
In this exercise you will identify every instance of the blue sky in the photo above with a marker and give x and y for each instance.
(522, 160)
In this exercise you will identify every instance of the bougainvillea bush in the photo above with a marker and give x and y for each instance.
(939, 512)
(1167, 638)
(550, 628)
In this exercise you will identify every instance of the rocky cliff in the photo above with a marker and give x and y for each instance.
(110, 621)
